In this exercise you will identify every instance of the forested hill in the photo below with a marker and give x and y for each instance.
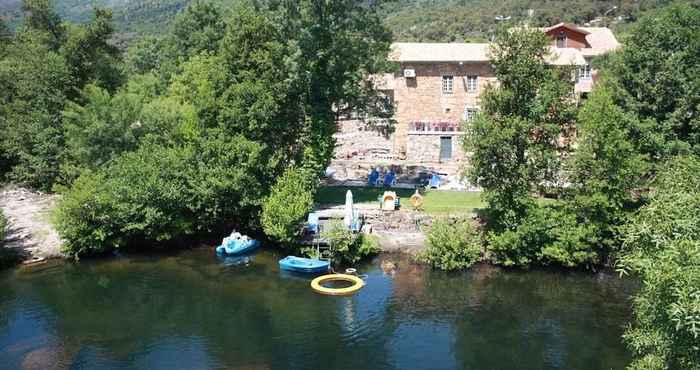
(410, 20)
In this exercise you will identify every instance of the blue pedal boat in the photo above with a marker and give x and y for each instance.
(236, 247)
(306, 265)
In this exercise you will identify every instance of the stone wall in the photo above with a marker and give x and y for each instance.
(360, 147)
(425, 148)
(421, 98)
(406, 171)
(356, 140)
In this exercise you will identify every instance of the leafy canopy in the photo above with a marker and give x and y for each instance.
(662, 246)
(656, 77)
(242, 126)
(514, 142)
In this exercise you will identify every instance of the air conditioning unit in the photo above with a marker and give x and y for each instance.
(409, 73)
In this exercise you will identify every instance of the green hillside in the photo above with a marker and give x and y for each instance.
(410, 20)
(475, 20)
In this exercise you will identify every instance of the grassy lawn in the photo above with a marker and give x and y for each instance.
(434, 202)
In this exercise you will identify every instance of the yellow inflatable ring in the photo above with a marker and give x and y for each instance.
(317, 284)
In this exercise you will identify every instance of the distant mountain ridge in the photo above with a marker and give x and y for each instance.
(409, 20)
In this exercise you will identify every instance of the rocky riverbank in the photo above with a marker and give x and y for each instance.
(29, 230)
(398, 231)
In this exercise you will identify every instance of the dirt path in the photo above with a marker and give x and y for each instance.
(29, 229)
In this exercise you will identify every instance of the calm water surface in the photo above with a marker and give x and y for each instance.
(195, 311)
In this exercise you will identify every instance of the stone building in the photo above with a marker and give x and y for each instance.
(589, 42)
(436, 93)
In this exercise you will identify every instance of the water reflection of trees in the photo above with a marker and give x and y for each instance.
(249, 316)
(523, 320)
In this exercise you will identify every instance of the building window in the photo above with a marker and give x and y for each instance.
(561, 40)
(445, 148)
(472, 83)
(447, 84)
(585, 72)
(470, 113)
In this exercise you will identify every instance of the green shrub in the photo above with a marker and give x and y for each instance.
(547, 235)
(452, 245)
(665, 333)
(605, 169)
(369, 245)
(348, 247)
(284, 209)
(662, 247)
(159, 194)
(108, 125)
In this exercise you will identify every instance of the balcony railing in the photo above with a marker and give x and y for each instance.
(433, 126)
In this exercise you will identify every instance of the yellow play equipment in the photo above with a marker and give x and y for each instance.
(317, 284)
(417, 200)
(388, 202)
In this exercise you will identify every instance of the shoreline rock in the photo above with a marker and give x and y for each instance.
(29, 231)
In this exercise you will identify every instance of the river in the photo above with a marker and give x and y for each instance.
(192, 310)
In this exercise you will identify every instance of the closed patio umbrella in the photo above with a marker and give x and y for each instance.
(348, 219)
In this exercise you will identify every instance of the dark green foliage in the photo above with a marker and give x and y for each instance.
(90, 56)
(347, 248)
(41, 17)
(662, 246)
(547, 235)
(290, 200)
(46, 64)
(35, 82)
(475, 20)
(145, 55)
(452, 245)
(514, 141)
(107, 126)
(409, 20)
(657, 77)
(159, 194)
(340, 43)
(673, 211)
(5, 36)
(206, 142)
(606, 170)
(265, 93)
(199, 28)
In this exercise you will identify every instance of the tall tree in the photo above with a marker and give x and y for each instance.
(199, 28)
(35, 83)
(5, 35)
(341, 44)
(605, 169)
(40, 16)
(514, 143)
(265, 100)
(90, 55)
(657, 77)
(45, 67)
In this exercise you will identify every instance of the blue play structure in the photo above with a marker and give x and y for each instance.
(236, 244)
(356, 222)
(312, 223)
(390, 179)
(435, 181)
(305, 265)
(373, 179)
